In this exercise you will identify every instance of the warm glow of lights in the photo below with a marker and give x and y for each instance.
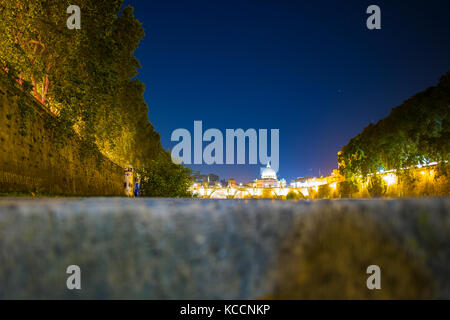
(424, 172)
(301, 186)
(390, 179)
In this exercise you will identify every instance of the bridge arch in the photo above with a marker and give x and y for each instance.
(242, 192)
(218, 194)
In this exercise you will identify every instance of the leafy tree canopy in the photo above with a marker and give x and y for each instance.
(414, 133)
(87, 77)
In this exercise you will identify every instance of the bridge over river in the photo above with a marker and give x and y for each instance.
(243, 192)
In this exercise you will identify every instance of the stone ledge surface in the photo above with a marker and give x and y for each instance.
(194, 249)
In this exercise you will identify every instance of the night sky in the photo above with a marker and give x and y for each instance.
(309, 68)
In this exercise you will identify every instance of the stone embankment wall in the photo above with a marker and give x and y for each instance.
(31, 160)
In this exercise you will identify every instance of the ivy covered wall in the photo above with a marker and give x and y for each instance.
(37, 156)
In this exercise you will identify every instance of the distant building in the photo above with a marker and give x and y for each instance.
(209, 179)
(308, 182)
(231, 183)
(268, 178)
(282, 183)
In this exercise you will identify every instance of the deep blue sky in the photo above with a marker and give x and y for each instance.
(309, 68)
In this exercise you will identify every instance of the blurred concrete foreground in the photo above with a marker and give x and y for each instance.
(224, 249)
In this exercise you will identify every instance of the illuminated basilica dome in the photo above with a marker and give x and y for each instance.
(268, 173)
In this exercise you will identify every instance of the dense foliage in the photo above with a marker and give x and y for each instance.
(417, 132)
(87, 77)
(162, 178)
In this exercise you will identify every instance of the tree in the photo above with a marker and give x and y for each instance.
(377, 186)
(86, 77)
(292, 196)
(324, 192)
(347, 188)
(416, 132)
(163, 178)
